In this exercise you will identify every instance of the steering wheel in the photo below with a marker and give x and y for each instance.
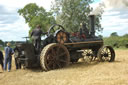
(59, 33)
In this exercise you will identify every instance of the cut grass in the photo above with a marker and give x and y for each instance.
(95, 73)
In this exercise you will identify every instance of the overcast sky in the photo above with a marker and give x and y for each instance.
(13, 27)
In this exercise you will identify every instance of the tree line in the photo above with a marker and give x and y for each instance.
(116, 41)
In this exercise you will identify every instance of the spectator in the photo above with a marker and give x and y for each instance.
(1, 59)
(16, 55)
(8, 57)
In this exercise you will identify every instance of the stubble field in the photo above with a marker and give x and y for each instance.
(81, 73)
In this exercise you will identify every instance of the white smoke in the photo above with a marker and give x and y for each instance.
(98, 9)
(115, 3)
(109, 4)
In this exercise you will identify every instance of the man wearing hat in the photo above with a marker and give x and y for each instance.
(8, 57)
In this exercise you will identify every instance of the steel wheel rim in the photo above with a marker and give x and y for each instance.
(53, 58)
(106, 53)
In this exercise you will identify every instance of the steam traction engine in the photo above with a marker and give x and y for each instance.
(60, 48)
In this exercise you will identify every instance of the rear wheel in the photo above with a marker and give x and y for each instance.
(54, 56)
(106, 53)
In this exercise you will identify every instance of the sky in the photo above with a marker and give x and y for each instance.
(13, 26)
(114, 17)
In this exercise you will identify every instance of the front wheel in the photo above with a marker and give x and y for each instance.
(106, 53)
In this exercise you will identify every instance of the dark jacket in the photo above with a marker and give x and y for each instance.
(36, 33)
(1, 56)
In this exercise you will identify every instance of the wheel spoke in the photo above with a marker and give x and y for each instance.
(61, 60)
(64, 35)
(105, 49)
(50, 63)
(53, 52)
(58, 49)
(54, 66)
(58, 36)
(58, 39)
(58, 64)
(102, 52)
(109, 54)
(53, 30)
(65, 38)
(103, 58)
(107, 58)
(49, 57)
(62, 54)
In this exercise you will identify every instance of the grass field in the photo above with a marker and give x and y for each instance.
(81, 73)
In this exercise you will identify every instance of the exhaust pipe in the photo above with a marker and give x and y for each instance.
(92, 25)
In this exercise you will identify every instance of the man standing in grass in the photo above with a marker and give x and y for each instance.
(8, 57)
(1, 59)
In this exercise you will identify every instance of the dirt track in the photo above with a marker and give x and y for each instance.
(81, 73)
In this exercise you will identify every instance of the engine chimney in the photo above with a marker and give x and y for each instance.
(92, 25)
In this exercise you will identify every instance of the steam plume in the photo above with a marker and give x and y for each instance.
(113, 4)
(116, 3)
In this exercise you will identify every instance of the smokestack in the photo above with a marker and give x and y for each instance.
(92, 25)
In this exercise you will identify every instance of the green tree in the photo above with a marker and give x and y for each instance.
(112, 41)
(116, 41)
(70, 13)
(125, 35)
(100, 36)
(1, 42)
(114, 34)
(35, 15)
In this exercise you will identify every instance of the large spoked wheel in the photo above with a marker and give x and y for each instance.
(106, 53)
(54, 56)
